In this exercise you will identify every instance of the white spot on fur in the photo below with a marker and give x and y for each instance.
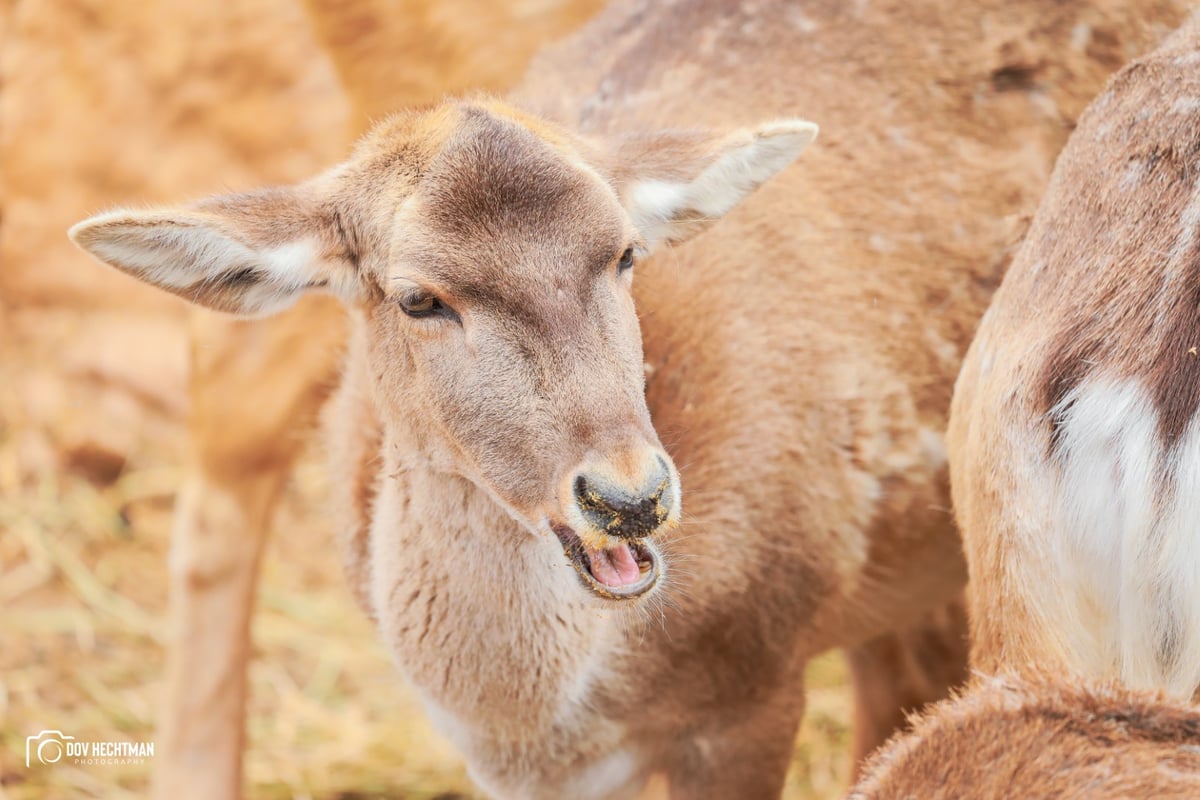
(1134, 175)
(1185, 105)
(942, 347)
(1081, 36)
(289, 268)
(799, 20)
(1128, 552)
(987, 357)
(880, 243)
(898, 137)
(653, 203)
(605, 777)
(933, 446)
(1189, 223)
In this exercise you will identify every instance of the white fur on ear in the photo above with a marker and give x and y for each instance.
(195, 255)
(163, 248)
(743, 162)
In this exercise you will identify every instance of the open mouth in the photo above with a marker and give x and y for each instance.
(627, 569)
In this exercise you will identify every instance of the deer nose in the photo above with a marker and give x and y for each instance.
(624, 512)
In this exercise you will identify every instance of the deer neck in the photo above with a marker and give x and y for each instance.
(486, 618)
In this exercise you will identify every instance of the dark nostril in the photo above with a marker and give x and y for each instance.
(619, 512)
(591, 501)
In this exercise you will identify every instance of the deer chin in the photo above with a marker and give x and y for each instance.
(625, 570)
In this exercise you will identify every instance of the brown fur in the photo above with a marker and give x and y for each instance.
(801, 356)
(1104, 292)
(1038, 739)
(393, 55)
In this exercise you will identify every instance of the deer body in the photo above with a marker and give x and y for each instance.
(1073, 435)
(513, 521)
(1040, 737)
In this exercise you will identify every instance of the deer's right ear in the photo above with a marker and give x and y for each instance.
(249, 254)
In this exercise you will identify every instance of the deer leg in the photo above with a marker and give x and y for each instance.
(897, 673)
(253, 404)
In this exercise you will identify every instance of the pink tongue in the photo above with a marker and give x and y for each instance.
(615, 566)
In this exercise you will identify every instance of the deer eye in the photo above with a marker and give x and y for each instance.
(418, 303)
(626, 262)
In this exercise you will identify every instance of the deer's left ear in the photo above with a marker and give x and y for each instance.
(249, 254)
(673, 184)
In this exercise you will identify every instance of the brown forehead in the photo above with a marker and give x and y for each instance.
(501, 205)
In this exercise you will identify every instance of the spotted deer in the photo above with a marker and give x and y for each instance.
(604, 522)
(1039, 737)
(1074, 452)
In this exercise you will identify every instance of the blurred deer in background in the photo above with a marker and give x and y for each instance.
(1075, 451)
(801, 353)
(1040, 738)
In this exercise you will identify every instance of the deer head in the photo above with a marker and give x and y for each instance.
(490, 257)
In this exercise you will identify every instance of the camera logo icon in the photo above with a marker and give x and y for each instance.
(48, 747)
